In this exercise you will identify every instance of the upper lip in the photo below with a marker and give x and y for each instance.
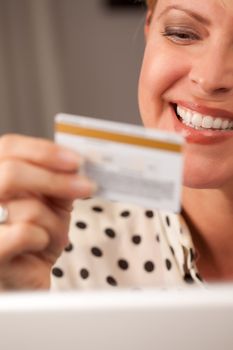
(213, 112)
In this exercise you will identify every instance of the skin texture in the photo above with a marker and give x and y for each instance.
(39, 180)
(38, 183)
(171, 71)
(191, 61)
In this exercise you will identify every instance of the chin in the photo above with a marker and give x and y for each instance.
(197, 183)
(205, 176)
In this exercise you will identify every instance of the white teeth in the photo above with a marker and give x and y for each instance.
(207, 122)
(196, 120)
(225, 124)
(217, 123)
(200, 121)
(189, 116)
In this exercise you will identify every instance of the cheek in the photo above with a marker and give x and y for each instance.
(162, 71)
(208, 167)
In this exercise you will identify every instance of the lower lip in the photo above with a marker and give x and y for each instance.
(200, 136)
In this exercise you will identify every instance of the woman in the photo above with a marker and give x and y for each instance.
(187, 81)
(186, 85)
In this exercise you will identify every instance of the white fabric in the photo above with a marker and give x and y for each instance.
(122, 245)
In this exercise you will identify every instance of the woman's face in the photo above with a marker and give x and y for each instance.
(186, 85)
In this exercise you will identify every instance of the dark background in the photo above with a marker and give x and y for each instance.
(125, 3)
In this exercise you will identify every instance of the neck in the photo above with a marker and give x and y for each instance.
(209, 214)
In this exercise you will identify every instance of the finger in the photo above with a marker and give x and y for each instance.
(33, 211)
(19, 177)
(38, 151)
(19, 239)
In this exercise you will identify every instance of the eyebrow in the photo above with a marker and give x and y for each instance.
(191, 13)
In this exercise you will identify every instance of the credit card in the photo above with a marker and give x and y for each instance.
(129, 163)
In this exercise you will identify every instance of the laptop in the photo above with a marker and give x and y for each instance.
(188, 319)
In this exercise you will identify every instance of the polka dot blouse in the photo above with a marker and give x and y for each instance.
(119, 245)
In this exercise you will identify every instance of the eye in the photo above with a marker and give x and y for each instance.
(181, 35)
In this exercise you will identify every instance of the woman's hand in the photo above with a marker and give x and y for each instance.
(38, 183)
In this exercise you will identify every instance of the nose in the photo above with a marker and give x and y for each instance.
(212, 73)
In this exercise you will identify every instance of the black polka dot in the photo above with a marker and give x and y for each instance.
(181, 230)
(123, 264)
(136, 239)
(149, 213)
(84, 273)
(110, 280)
(168, 221)
(110, 232)
(168, 264)
(97, 209)
(56, 271)
(96, 252)
(125, 213)
(172, 250)
(81, 224)
(157, 238)
(188, 278)
(149, 266)
(69, 248)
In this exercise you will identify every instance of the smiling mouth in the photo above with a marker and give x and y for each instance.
(200, 121)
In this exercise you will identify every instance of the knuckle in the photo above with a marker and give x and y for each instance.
(36, 211)
(21, 234)
(49, 147)
(46, 149)
(55, 224)
(8, 171)
(6, 142)
(58, 185)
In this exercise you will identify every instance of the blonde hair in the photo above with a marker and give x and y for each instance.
(151, 4)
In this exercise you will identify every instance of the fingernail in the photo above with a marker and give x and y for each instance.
(84, 186)
(71, 158)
